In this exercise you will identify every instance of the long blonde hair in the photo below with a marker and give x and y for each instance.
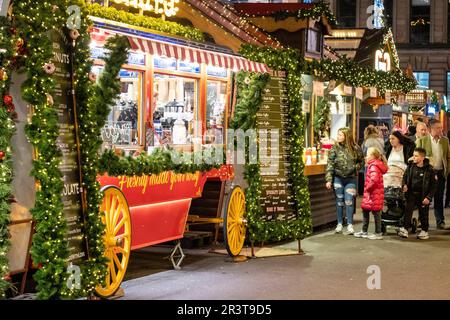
(371, 132)
(349, 142)
(375, 153)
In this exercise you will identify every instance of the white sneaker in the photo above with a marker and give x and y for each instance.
(375, 236)
(338, 228)
(402, 232)
(350, 230)
(361, 234)
(423, 235)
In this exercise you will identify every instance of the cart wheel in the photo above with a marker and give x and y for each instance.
(414, 225)
(235, 225)
(117, 239)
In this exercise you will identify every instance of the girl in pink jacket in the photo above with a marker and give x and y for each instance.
(373, 198)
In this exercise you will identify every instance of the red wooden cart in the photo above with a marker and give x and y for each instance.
(145, 210)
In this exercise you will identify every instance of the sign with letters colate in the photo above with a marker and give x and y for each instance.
(348, 90)
(63, 102)
(318, 88)
(359, 93)
(277, 200)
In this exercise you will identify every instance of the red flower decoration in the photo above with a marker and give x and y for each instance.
(8, 100)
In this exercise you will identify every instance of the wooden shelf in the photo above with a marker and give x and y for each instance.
(315, 169)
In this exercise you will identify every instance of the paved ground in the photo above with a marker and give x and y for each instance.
(333, 267)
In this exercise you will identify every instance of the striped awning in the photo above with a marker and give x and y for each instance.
(185, 53)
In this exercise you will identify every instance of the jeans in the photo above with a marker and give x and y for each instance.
(377, 218)
(415, 200)
(439, 198)
(345, 191)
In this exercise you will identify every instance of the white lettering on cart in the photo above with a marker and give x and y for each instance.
(194, 310)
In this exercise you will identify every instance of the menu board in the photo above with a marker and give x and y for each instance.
(67, 142)
(277, 197)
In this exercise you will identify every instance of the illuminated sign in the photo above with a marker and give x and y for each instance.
(166, 7)
(382, 61)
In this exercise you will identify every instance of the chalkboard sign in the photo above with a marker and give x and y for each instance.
(277, 197)
(67, 142)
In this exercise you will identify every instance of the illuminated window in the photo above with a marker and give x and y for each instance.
(420, 21)
(423, 80)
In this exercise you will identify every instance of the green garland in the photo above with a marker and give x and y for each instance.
(156, 24)
(7, 129)
(250, 98)
(49, 249)
(319, 10)
(321, 118)
(93, 104)
(155, 163)
(344, 70)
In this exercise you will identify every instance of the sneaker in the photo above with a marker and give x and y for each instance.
(361, 234)
(402, 232)
(350, 230)
(441, 226)
(423, 235)
(338, 228)
(375, 236)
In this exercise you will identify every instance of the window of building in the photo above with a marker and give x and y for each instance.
(420, 21)
(216, 95)
(346, 13)
(388, 12)
(423, 80)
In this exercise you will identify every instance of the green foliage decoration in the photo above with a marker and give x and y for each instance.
(321, 118)
(318, 10)
(7, 128)
(156, 24)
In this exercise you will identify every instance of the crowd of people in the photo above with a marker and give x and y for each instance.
(414, 166)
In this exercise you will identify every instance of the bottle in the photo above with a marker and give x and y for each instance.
(314, 155)
(308, 157)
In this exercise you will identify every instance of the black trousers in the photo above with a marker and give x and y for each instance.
(376, 217)
(415, 200)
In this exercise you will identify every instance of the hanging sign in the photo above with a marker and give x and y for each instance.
(387, 98)
(373, 92)
(359, 93)
(401, 99)
(348, 90)
(318, 88)
(166, 7)
(331, 85)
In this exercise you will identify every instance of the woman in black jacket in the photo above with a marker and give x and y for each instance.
(398, 141)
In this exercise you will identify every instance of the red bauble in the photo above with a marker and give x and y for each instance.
(7, 99)
(2, 155)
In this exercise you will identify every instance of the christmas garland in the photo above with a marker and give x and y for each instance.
(7, 128)
(250, 99)
(321, 118)
(49, 249)
(155, 163)
(156, 24)
(319, 10)
(344, 70)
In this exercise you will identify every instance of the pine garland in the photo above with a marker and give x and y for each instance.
(7, 129)
(317, 11)
(321, 118)
(156, 24)
(344, 70)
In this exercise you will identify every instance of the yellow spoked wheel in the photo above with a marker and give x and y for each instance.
(117, 239)
(235, 225)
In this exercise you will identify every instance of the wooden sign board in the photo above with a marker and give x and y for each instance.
(67, 142)
(277, 199)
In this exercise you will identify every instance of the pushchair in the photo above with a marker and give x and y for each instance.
(394, 201)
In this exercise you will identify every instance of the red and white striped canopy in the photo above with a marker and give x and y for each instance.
(185, 53)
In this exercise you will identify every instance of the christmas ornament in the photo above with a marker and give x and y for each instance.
(8, 100)
(247, 80)
(49, 68)
(3, 75)
(74, 34)
(54, 8)
(49, 99)
(2, 155)
(92, 76)
(19, 43)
